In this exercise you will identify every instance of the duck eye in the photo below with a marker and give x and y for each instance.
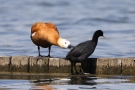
(65, 43)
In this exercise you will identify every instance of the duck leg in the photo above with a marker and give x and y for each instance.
(39, 55)
(49, 48)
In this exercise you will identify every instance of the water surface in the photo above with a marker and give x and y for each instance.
(76, 20)
(68, 82)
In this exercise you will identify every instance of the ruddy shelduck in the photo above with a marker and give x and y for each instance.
(45, 35)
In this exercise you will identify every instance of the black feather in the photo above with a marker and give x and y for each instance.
(82, 50)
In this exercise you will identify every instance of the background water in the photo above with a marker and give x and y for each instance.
(76, 21)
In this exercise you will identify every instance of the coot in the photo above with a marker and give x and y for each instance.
(83, 50)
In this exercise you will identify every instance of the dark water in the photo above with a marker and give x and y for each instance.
(68, 82)
(76, 20)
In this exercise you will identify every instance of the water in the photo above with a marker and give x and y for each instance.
(76, 20)
(68, 82)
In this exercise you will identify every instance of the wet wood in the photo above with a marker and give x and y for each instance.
(29, 64)
(4, 64)
(128, 66)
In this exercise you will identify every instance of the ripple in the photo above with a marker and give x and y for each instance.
(76, 21)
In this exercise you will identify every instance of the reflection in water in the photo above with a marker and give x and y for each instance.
(67, 82)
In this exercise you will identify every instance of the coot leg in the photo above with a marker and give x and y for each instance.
(81, 70)
(74, 64)
(71, 68)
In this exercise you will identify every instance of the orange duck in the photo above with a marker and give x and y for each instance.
(45, 35)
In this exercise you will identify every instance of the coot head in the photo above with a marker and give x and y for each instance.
(100, 32)
(97, 34)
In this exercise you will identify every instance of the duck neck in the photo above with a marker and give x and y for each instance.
(59, 42)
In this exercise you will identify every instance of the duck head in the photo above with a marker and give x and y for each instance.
(63, 43)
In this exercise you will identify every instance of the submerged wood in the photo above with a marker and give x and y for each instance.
(29, 64)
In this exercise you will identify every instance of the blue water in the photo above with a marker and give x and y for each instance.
(76, 20)
(70, 83)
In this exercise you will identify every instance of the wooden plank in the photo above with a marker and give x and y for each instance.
(38, 65)
(114, 66)
(125, 66)
(64, 66)
(54, 65)
(102, 65)
(128, 66)
(4, 64)
(19, 64)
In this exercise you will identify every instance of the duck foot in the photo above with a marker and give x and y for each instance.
(40, 57)
(49, 56)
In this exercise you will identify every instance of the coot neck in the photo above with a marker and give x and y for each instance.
(95, 38)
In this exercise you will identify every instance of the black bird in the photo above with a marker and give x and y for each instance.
(83, 50)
